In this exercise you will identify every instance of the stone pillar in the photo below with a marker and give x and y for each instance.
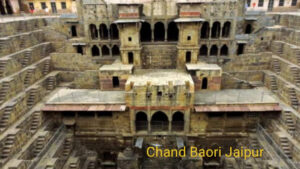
(166, 33)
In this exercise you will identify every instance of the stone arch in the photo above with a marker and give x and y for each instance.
(159, 121)
(203, 50)
(141, 121)
(214, 50)
(103, 31)
(114, 32)
(95, 51)
(224, 50)
(159, 31)
(204, 83)
(172, 32)
(226, 29)
(248, 29)
(215, 32)
(145, 32)
(93, 31)
(105, 50)
(205, 30)
(115, 50)
(178, 121)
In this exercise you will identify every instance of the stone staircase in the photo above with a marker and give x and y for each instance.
(46, 68)
(73, 165)
(35, 121)
(4, 90)
(67, 147)
(32, 97)
(297, 52)
(8, 145)
(91, 165)
(293, 98)
(289, 122)
(273, 83)
(276, 65)
(51, 83)
(28, 76)
(2, 45)
(2, 67)
(26, 58)
(229, 165)
(23, 42)
(39, 145)
(277, 47)
(248, 166)
(6, 116)
(296, 76)
(159, 164)
(285, 146)
(254, 143)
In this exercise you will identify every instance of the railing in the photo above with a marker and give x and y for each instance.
(159, 126)
(177, 126)
(141, 126)
(279, 153)
(47, 146)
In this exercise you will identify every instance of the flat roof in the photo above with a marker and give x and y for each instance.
(128, 20)
(202, 66)
(235, 96)
(159, 77)
(116, 67)
(86, 96)
(189, 20)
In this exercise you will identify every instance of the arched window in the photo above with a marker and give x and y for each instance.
(116, 81)
(203, 50)
(159, 122)
(224, 50)
(2, 9)
(178, 121)
(95, 51)
(214, 50)
(115, 50)
(93, 31)
(103, 31)
(172, 32)
(114, 32)
(130, 58)
(141, 121)
(188, 56)
(145, 32)
(261, 3)
(215, 32)
(205, 30)
(226, 30)
(105, 50)
(248, 29)
(8, 7)
(159, 32)
(73, 31)
(204, 83)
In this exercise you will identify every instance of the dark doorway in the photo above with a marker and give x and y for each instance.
(159, 32)
(188, 56)
(215, 32)
(214, 50)
(141, 121)
(95, 51)
(204, 83)
(116, 82)
(93, 31)
(115, 50)
(178, 121)
(145, 32)
(80, 49)
(224, 50)
(205, 30)
(270, 5)
(248, 29)
(172, 32)
(203, 50)
(103, 31)
(130, 58)
(159, 122)
(2, 9)
(105, 50)
(9, 9)
(114, 32)
(240, 49)
(53, 7)
(226, 30)
(73, 31)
